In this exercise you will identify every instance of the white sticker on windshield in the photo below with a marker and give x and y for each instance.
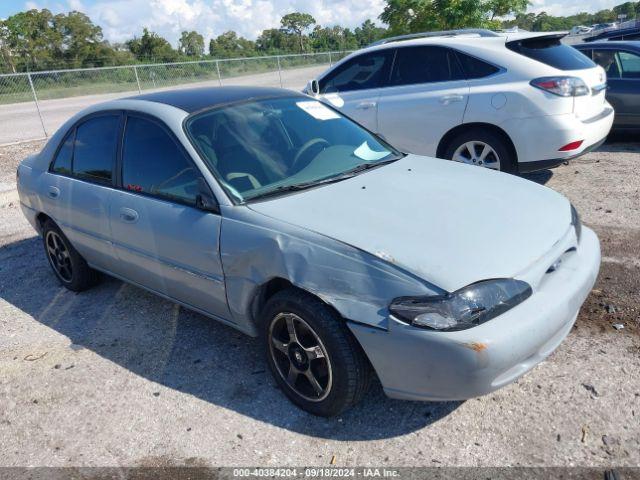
(365, 153)
(317, 110)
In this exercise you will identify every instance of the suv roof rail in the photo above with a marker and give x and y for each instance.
(482, 32)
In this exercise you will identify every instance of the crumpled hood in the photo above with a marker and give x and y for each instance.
(448, 223)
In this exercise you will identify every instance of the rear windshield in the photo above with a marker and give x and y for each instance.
(551, 52)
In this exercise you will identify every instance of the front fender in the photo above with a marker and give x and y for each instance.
(256, 249)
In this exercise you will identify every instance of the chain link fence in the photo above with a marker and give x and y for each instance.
(33, 105)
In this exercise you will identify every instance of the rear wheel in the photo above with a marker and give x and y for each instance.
(68, 265)
(312, 355)
(482, 148)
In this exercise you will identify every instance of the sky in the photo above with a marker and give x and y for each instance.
(121, 19)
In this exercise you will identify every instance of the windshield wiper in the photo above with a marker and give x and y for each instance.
(296, 187)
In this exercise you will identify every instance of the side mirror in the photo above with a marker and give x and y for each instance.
(205, 199)
(315, 87)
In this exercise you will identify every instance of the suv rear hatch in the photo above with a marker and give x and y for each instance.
(549, 50)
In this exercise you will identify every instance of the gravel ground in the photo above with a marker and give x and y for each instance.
(118, 377)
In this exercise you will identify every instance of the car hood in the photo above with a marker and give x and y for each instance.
(448, 223)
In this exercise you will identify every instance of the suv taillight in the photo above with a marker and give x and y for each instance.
(562, 86)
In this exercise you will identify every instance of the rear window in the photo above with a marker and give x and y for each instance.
(425, 65)
(475, 68)
(551, 52)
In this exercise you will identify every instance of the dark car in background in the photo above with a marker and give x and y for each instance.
(621, 60)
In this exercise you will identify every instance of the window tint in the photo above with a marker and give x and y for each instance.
(475, 68)
(365, 71)
(629, 64)
(62, 163)
(425, 65)
(153, 163)
(95, 148)
(607, 60)
(551, 52)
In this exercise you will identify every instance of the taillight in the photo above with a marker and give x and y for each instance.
(562, 86)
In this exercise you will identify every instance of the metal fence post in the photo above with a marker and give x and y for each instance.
(279, 70)
(218, 69)
(330, 62)
(135, 69)
(35, 98)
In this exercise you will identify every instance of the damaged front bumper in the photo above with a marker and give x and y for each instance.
(418, 364)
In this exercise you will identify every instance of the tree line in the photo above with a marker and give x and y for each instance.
(39, 40)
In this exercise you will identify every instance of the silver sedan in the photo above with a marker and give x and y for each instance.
(273, 213)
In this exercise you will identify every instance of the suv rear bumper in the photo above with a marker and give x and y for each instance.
(527, 167)
(538, 139)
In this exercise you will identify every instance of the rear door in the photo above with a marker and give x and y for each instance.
(163, 241)
(79, 186)
(623, 74)
(354, 87)
(426, 97)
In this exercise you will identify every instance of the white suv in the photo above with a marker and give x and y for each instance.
(515, 102)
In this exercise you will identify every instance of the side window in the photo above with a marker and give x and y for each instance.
(629, 64)
(152, 163)
(370, 70)
(607, 60)
(62, 162)
(425, 65)
(475, 68)
(95, 148)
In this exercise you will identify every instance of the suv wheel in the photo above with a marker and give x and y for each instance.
(71, 269)
(482, 148)
(312, 355)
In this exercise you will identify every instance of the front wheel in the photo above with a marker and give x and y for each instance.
(482, 148)
(312, 355)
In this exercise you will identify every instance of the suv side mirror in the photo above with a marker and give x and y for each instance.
(205, 199)
(315, 87)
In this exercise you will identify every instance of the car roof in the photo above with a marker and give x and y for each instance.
(193, 99)
(635, 44)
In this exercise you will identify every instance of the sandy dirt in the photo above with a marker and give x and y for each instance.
(118, 377)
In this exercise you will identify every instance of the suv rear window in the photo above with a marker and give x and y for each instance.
(474, 68)
(552, 52)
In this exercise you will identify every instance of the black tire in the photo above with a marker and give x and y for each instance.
(508, 160)
(76, 275)
(350, 371)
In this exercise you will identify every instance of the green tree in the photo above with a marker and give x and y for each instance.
(275, 40)
(368, 32)
(407, 16)
(296, 23)
(151, 47)
(191, 44)
(503, 8)
(229, 44)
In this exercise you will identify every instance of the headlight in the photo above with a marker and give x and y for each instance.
(575, 221)
(463, 309)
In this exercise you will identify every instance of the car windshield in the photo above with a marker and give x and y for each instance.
(273, 146)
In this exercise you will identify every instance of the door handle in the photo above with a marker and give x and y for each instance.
(447, 99)
(366, 105)
(128, 215)
(53, 192)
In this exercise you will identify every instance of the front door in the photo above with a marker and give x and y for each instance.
(354, 87)
(163, 241)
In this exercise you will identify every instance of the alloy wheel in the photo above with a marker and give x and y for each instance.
(477, 153)
(300, 357)
(59, 256)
